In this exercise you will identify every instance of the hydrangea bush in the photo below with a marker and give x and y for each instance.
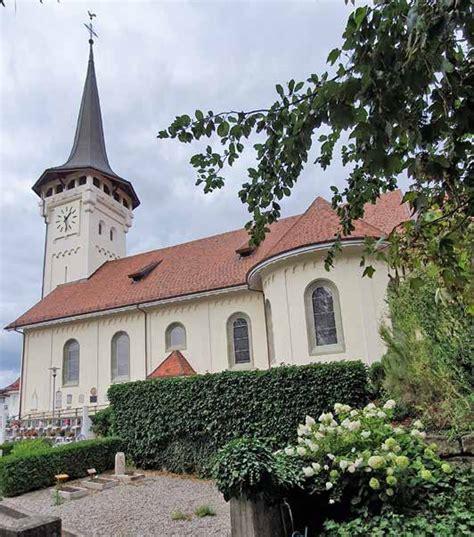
(359, 454)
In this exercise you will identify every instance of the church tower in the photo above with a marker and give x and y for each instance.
(86, 206)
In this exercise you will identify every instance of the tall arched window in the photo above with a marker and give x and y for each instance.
(175, 337)
(120, 357)
(270, 336)
(112, 233)
(101, 227)
(239, 341)
(71, 363)
(323, 317)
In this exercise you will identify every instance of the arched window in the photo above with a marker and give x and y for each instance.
(239, 341)
(58, 403)
(49, 192)
(323, 317)
(112, 233)
(175, 337)
(59, 189)
(82, 180)
(120, 357)
(96, 182)
(270, 336)
(101, 227)
(71, 363)
(106, 190)
(71, 184)
(34, 401)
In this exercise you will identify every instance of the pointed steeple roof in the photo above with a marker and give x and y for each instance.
(174, 365)
(88, 150)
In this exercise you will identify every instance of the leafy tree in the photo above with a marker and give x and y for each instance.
(399, 96)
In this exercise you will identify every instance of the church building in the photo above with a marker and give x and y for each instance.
(203, 306)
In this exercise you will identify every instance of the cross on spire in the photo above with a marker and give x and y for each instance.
(90, 28)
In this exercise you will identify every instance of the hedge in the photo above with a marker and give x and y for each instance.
(179, 423)
(20, 474)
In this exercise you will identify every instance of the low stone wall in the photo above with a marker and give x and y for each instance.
(458, 451)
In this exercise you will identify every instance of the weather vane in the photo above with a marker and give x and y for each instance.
(90, 28)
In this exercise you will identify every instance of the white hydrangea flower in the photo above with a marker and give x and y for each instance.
(289, 451)
(318, 436)
(308, 471)
(301, 451)
(312, 446)
(354, 425)
(343, 464)
(358, 462)
(302, 430)
(351, 468)
(309, 421)
(316, 467)
(370, 406)
(331, 501)
(354, 413)
(326, 467)
(331, 456)
(329, 485)
(399, 430)
(381, 414)
(418, 424)
(365, 434)
(418, 434)
(345, 423)
(390, 404)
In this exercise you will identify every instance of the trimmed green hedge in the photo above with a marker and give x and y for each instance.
(180, 423)
(20, 474)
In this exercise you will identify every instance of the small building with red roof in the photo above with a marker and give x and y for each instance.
(10, 398)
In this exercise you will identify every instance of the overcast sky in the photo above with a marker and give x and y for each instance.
(154, 60)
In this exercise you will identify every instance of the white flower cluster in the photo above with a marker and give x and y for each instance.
(359, 440)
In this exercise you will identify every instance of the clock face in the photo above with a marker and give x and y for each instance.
(67, 218)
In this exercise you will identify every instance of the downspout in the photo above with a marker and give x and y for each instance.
(43, 214)
(266, 322)
(146, 338)
(21, 370)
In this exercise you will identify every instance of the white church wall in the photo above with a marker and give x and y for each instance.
(362, 306)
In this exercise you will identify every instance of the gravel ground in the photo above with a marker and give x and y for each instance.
(143, 508)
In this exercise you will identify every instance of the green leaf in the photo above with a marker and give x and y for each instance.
(280, 90)
(333, 56)
(223, 129)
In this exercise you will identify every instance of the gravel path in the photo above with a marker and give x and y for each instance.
(143, 508)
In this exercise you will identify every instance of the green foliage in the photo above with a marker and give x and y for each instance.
(398, 95)
(204, 510)
(248, 467)
(6, 448)
(36, 470)
(103, 422)
(180, 515)
(428, 363)
(445, 513)
(179, 423)
(27, 447)
(358, 455)
(376, 375)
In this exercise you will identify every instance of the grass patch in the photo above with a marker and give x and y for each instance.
(204, 510)
(180, 515)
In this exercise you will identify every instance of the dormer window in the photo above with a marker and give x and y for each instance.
(143, 272)
(116, 197)
(96, 182)
(245, 250)
(82, 180)
(59, 189)
(71, 184)
(106, 190)
(125, 203)
(49, 192)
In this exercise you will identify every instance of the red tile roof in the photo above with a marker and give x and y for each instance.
(175, 365)
(13, 387)
(203, 265)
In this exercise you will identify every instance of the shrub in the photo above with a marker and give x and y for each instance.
(179, 423)
(358, 456)
(26, 447)
(428, 363)
(103, 422)
(445, 513)
(23, 473)
(248, 467)
(6, 448)
(204, 510)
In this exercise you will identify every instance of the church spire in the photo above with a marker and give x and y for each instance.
(88, 149)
